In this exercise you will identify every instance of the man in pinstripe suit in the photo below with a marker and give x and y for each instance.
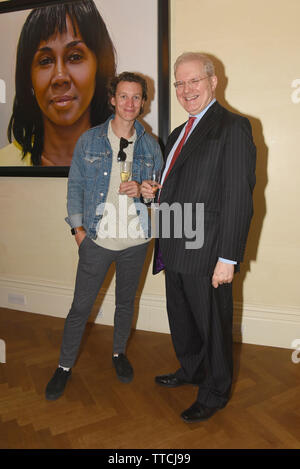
(215, 167)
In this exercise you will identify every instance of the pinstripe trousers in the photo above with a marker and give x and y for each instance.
(200, 318)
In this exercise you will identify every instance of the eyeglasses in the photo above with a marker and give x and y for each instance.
(123, 144)
(179, 85)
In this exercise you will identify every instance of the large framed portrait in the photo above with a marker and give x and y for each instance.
(57, 58)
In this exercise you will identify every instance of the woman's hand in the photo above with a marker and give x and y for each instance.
(130, 188)
(79, 237)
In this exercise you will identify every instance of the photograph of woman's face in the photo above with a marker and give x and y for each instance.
(56, 70)
(63, 76)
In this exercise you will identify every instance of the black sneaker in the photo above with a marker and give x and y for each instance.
(56, 386)
(123, 368)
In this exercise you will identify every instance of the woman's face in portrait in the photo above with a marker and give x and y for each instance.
(63, 74)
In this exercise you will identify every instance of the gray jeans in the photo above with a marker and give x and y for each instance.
(94, 262)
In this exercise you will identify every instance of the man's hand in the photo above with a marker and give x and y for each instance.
(147, 189)
(79, 237)
(130, 188)
(223, 273)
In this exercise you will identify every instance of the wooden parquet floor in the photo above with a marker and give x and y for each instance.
(98, 412)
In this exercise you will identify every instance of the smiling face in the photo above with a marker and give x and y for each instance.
(194, 94)
(63, 74)
(128, 100)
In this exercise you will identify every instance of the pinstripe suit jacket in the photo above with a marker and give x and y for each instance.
(216, 167)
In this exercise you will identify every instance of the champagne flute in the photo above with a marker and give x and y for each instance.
(154, 177)
(125, 170)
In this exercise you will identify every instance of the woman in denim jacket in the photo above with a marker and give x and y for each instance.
(109, 221)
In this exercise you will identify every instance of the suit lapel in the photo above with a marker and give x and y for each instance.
(172, 139)
(203, 127)
(169, 145)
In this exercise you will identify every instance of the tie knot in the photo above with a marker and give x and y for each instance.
(191, 119)
(190, 123)
(189, 126)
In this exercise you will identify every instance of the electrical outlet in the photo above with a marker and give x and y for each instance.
(2, 351)
(2, 91)
(16, 299)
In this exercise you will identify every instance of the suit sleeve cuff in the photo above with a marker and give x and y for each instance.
(227, 261)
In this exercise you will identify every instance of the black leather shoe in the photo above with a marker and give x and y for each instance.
(198, 413)
(56, 386)
(170, 380)
(123, 368)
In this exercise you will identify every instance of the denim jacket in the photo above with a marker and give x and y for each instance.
(89, 176)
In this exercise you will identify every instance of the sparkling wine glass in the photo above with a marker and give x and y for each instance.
(153, 175)
(125, 171)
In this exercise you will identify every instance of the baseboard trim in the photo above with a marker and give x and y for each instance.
(253, 323)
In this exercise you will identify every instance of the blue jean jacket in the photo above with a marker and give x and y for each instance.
(90, 171)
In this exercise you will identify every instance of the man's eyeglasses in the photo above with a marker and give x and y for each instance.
(123, 144)
(179, 85)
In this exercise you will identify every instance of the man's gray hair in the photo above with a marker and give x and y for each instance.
(188, 56)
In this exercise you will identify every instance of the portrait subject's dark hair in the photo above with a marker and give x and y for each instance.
(131, 77)
(26, 123)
